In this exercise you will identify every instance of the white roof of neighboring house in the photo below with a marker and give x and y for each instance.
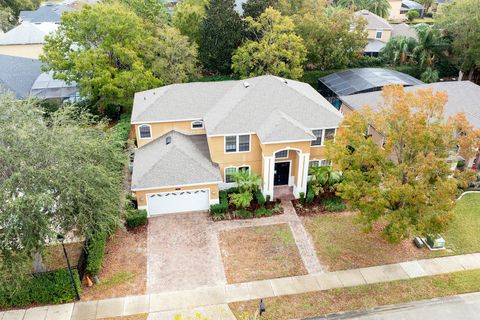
(28, 33)
(412, 5)
(403, 29)
(47, 13)
(185, 160)
(463, 96)
(275, 108)
(374, 45)
(373, 21)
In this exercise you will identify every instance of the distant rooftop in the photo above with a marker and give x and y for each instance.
(17, 75)
(28, 33)
(403, 29)
(365, 79)
(412, 5)
(46, 13)
(373, 21)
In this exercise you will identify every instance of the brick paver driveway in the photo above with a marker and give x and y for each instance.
(183, 253)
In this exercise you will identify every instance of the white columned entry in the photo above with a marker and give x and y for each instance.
(302, 174)
(268, 174)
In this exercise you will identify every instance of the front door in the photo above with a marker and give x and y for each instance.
(282, 172)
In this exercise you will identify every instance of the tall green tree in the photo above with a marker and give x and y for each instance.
(407, 185)
(333, 37)
(153, 11)
(10, 9)
(430, 47)
(221, 33)
(112, 53)
(7, 19)
(276, 49)
(459, 20)
(60, 174)
(379, 7)
(188, 18)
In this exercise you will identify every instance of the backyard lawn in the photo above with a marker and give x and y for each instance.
(256, 253)
(341, 244)
(362, 297)
(124, 268)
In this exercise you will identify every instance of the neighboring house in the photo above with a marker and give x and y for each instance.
(24, 78)
(47, 13)
(192, 137)
(395, 9)
(408, 5)
(26, 40)
(379, 31)
(361, 80)
(463, 96)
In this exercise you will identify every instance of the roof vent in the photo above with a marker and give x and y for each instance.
(246, 84)
(168, 140)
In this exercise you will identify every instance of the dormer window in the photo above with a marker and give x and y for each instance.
(197, 124)
(145, 131)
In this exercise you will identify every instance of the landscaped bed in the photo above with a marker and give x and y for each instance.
(256, 253)
(124, 267)
(361, 297)
(341, 244)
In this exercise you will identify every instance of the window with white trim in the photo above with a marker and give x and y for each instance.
(281, 154)
(378, 35)
(319, 163)
(197, 124)
(239, 143)
(231, 170)
(329, 134)
(318, 141)
(145, 131)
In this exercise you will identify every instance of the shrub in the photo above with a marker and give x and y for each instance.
(263, 212)
(42, 288)
(334, 204)
(241, 200)
(221, 208)
(244, 213)
(119, 132)
(302, 197)
(260, 198)
(412, 15)
(136, 218)
(267, 199)
(96, 251)
(310, 195)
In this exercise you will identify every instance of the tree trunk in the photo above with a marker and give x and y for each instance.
(470, 74)
(460, 75)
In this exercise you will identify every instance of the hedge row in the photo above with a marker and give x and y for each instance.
(222, 207)
(96, 251)
(135, 218)
(119, 132)
(42, 288)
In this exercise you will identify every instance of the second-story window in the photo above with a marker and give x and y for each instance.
(145, 131)
(197, 125)
(378, 35)
(244, 143)
(237, 143)
(318, 141)
(329, 134)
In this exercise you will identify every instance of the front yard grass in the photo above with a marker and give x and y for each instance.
(256, 253)
(124, 267)
(341, 244)
(361, 297)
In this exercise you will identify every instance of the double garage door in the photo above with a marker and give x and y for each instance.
(178, 201)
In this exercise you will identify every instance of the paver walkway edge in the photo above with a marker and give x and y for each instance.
(222, 294)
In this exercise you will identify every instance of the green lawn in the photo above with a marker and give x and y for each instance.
(341, 244)
(361, 297)
(463, 235)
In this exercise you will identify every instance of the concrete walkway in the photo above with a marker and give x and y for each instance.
(223, 294)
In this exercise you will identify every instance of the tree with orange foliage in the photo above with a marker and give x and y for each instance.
(406, 186)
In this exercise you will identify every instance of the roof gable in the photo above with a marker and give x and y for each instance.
(28, 33)
(18, 74)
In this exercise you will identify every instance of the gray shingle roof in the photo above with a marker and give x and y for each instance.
(18, 74)
(355, 80)
(463, 96)
(374, 45)
(28, 33)
(373, 21)
(47, 13)
(412, 5)
(403, 29)
(186, 160)
(232, 107)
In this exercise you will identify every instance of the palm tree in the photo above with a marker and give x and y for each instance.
(430, 45)
(325, 178)
(399, 49)
(429, 75)
(246, 181)
(351, 4)
(379, 7)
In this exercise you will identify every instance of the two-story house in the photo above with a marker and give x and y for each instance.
(192, 137)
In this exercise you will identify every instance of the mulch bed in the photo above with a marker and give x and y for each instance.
(231, 212)
(314, 208)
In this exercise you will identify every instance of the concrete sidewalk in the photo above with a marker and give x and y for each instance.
(223, 294)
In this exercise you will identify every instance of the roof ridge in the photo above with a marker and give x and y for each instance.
(295, 122)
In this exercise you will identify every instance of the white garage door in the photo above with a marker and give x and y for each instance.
(178, 201)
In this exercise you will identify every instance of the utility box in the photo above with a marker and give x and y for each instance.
(418, 242)
(435, 241)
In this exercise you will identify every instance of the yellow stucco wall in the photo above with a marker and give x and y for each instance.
(395, 10)
(386, 34)
(270, 149)
(141, 195)
(159, 129)
(32, 51)
(218, 155)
